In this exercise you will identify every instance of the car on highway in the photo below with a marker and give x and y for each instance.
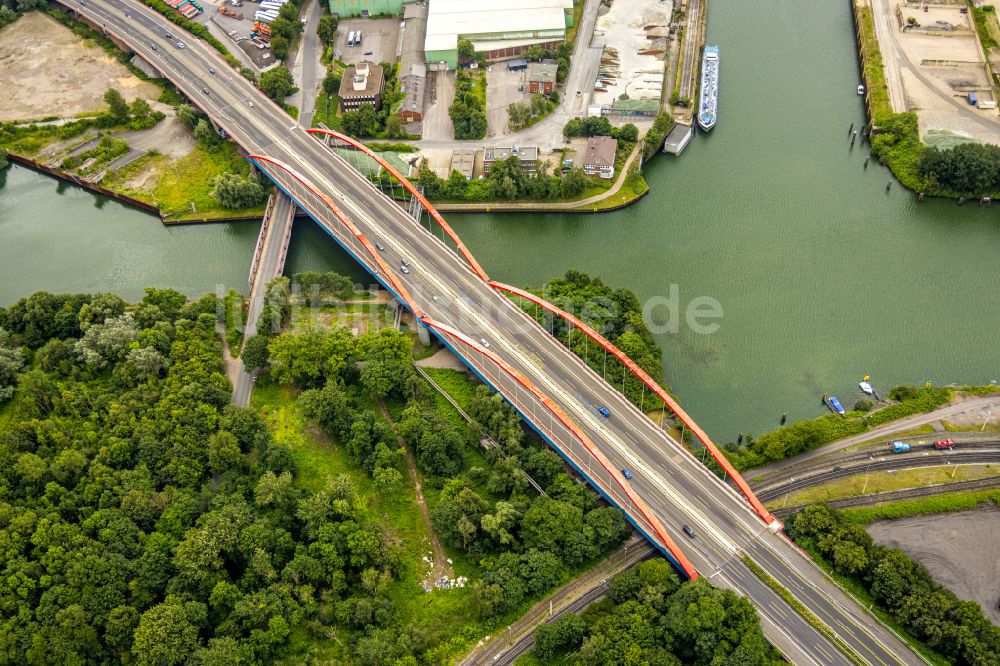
(690, 532)
(627, 474)
(250, 102)
(406, 271)
(484, 342)
(379, 247)
(436, 299)
(211, 71)
(168, 36)
(181, 45)
(153, 46)
(604, 411)
(205, 90)
(944, 444)
(406, 262)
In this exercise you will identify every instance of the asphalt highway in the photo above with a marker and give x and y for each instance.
(677, 488)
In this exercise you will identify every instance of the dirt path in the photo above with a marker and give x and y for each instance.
(233, 365)
(441, 567)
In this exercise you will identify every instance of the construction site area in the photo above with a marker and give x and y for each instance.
(936, 66)
(634, 37)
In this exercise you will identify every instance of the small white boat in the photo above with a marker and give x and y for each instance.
(861, 90)
(867, 388)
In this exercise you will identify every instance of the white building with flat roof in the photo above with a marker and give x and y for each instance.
(498, 29)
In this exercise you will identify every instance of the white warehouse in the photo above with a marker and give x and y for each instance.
(499, 30)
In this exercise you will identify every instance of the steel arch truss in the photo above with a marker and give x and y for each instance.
(526, 398)
(702, 436)
(405, 182)
(320, 206)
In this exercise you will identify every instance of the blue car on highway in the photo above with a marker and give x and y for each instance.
(604, 411)
(627, 474)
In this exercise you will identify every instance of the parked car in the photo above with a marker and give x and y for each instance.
(627, 474)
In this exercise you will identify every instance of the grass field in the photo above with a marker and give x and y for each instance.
(444, 614)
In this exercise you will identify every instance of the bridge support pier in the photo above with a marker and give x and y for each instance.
(424, 335)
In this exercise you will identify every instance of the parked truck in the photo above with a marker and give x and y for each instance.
(900, 447)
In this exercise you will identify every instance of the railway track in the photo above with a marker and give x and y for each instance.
(881, 450)
(899, 495)
(876, 465)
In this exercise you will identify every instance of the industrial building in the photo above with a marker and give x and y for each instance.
(361, 84)
(500, 30)
(366, 8)
(541, 77)
(412, 70)
(528, 157)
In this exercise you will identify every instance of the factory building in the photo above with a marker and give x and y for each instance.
(500, 30)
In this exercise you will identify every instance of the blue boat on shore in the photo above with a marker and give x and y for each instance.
(834, 404)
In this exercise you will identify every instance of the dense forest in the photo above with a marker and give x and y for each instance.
(145, 520)
(956, 629)
(650, 617)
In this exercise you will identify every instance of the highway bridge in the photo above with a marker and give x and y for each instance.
(451, 295)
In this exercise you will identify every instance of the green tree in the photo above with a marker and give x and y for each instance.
(628, 132)
(11, 362)
(466, 50)
(4, 159)
(235, 191)
(187, 115)
(326, 29)
(331, 82)
(279, 46)
(277, 83)
(117, 106)
(361, 122)
(563, 635)
(167, 633)
(255, 354)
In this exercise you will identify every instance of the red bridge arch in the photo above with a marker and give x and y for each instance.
(655, 388)
(401, 290)
(405, 182)
(568, 423)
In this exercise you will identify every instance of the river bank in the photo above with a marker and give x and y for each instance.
(893, 101)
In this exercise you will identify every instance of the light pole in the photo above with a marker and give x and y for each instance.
(989, 415)
(870, 461)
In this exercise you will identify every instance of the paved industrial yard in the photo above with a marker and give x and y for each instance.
(634, 36)
(931, 68)
(959, 550)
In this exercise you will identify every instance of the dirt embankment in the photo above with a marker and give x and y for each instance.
(959, 549)
(46, 70)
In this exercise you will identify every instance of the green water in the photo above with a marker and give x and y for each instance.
(821, 274)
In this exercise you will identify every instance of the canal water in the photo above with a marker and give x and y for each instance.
(821, 274)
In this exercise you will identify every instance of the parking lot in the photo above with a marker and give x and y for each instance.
(379, 38)
(230, 30)
(502, 91)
